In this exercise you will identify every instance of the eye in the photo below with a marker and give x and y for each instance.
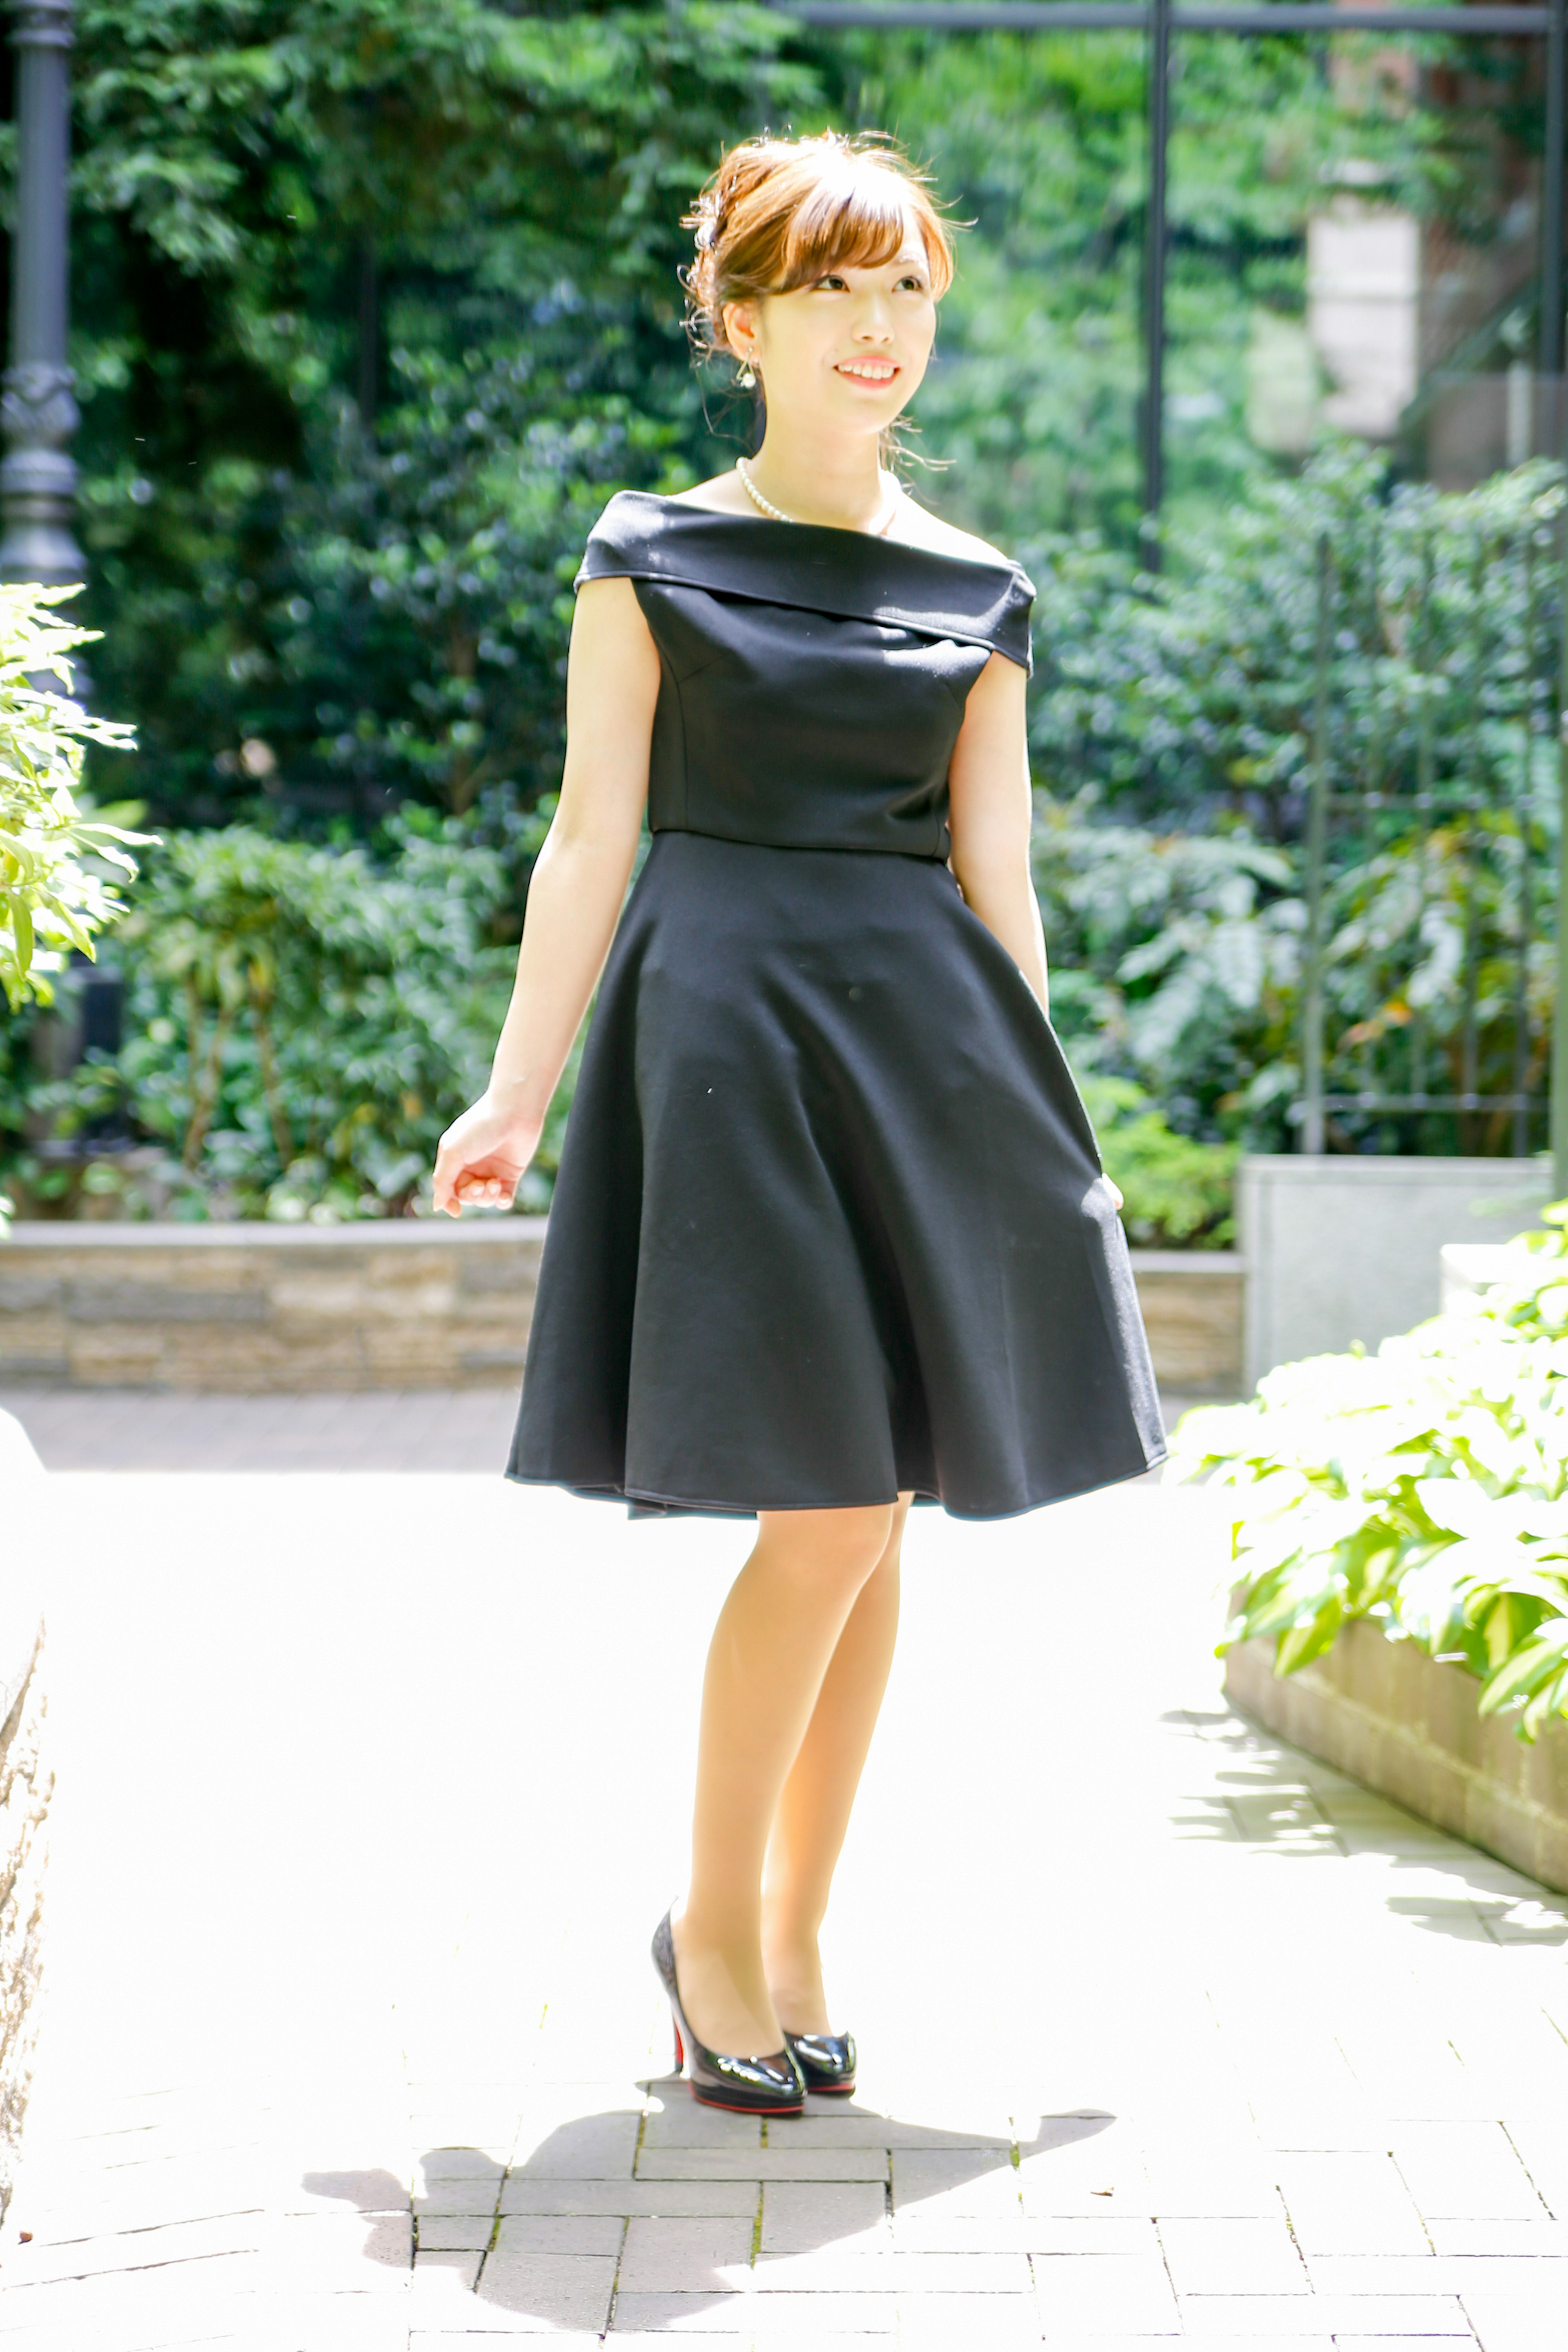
(914, 279)
(831, 284)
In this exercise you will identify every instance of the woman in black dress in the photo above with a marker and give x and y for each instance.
(830, 1232)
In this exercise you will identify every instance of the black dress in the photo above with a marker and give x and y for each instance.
(830, 1221)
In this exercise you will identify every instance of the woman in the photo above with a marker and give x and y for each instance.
(830, 1231)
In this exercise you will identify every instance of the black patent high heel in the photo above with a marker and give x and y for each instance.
(826, 2061)
(764, 2086)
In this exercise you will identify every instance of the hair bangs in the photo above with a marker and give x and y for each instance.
(856, 220)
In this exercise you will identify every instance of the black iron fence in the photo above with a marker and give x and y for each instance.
(1433, 828)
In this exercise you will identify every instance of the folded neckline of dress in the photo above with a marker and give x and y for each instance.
(816, 567)
(836, 531)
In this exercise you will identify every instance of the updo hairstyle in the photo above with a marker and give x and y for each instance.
(782, 212)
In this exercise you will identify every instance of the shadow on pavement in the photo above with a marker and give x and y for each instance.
(544, 2238)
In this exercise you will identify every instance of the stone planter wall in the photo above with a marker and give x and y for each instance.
(251, 1309)
(1387, 1714)
(26, 1781)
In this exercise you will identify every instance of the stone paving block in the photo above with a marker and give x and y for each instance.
(451, 2233)
(681, 2198)
(800, 2215)
(1517, 2323)
(470, 2321)
(369, 2193)
(684, 2315)
(965, 2323)
(1260, 2318)
(1525, 2238)
(932, 2230)
(458, 2199)
(562, 2290)
(1468, 2171)
(1123, 2295)
(685, 2257)
(1232, 2257)
(132, 2312)
(763, 2163)
(683, 2123)
(348, 2323)
(1349, 2203)
(557, 2233)
(452, 2163)
(1543, 2145)
(952, 2176)
(132, 2250)
(333, 2252)
(585, 2148)
(442, 2272)
(1463, 2275)
(1207, 2181)
(875, 2270)
(1092, 2239)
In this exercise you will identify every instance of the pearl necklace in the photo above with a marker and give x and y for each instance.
(777, 514)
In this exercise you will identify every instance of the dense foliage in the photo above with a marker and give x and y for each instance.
(1174, 724)
(376, 301)
(1424, 1488)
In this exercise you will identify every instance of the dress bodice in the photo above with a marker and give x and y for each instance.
(813, 681)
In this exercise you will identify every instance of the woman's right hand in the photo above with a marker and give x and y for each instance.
(482, 1157)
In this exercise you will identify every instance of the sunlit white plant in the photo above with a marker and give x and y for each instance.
(55, 892)
(1425, 1487)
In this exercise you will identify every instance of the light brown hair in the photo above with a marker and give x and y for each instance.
(782, 212)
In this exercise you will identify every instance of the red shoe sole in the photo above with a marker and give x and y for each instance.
(738, 2108)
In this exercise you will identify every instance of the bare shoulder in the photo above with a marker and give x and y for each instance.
(918, 527)
(721, 495)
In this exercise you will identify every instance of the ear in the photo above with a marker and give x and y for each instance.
(741, 328)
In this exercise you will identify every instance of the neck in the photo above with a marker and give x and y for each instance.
(821, 477)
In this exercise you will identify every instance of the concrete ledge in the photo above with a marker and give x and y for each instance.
(1389, 1716)
(418, 1303)
(1340, 1249)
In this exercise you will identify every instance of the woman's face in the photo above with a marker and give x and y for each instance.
(849, 349)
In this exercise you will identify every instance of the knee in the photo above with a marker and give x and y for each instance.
(838, 1549)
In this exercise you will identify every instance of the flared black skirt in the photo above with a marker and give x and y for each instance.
(830, 1223)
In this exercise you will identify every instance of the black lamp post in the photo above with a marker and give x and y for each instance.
(38, 414)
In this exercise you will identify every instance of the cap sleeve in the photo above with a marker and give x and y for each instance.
(617, 544)
(1010, 633)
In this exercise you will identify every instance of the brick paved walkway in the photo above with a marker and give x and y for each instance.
(373, 1788)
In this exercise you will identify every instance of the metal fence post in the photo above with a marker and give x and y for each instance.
(37, 479)
(1317, 852)
(1153, 417)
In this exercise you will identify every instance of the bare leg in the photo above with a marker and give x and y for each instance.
(775, 1636)
(813, 1815)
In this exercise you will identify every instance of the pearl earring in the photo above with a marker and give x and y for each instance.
(748, 376)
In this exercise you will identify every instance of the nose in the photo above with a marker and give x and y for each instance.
(873, 321)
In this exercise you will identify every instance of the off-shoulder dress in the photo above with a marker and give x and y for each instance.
(830, 1222)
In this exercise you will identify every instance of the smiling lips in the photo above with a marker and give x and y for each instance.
(870, 371)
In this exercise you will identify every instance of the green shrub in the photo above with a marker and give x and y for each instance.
(1176, 1194)
(303, 1022)
(1425, 1487)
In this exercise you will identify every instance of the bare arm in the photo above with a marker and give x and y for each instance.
(990, 818)
(574, 900)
